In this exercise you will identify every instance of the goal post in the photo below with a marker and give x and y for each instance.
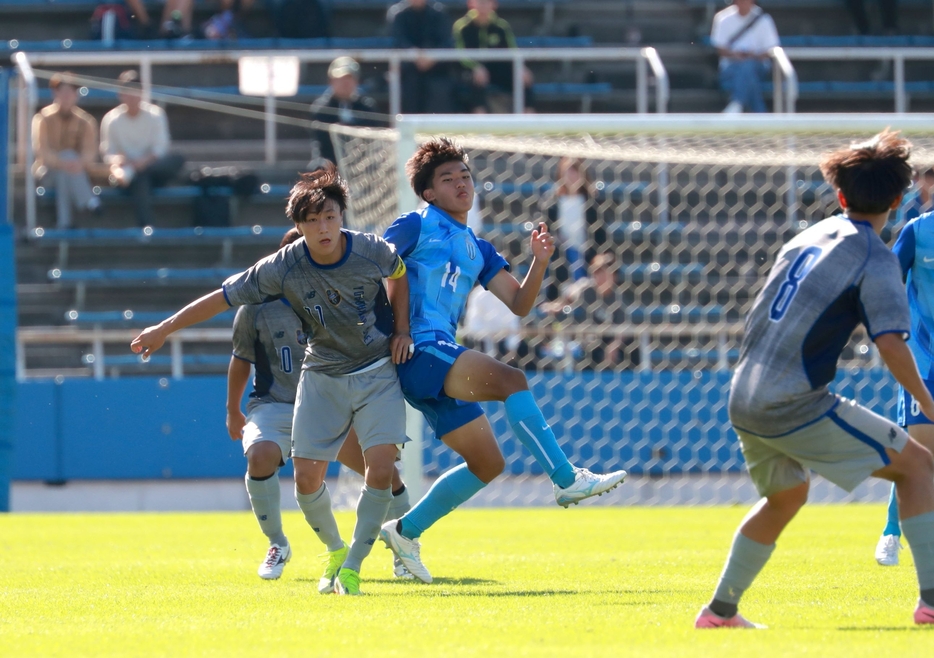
(665, 232)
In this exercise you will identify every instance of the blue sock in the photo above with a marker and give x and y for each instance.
(449, 491)
(529, 425)
(891, 525)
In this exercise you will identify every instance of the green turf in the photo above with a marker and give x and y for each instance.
(538, 582)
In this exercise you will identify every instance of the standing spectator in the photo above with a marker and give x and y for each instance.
(572, 205)
(887, 8)
(135, 143)
(64, 138)
(427, 85)
(342, 103)
(743, 34)
(490, 83)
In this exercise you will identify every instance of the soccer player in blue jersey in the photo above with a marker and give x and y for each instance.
(333, 279)
(446, 381)
(915, 250)
(270, 336)
(827, 280)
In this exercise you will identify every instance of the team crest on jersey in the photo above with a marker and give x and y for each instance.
(471, 247)
(334, 297)
(280, 334)
(310, 295)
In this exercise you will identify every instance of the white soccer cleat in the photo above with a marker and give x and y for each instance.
(276, 559)
(399, 570)
(887, 550)
(407, 550)
(587, 484)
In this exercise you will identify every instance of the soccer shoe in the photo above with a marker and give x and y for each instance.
(276, 559)
(887, 550)
(399, 570)
(924, 614)
(407, 550)
(347, 582)
(332, 564)
(708, 619)
(587, 484)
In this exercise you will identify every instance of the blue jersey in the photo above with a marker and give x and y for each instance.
(445, 260)
(915, 251)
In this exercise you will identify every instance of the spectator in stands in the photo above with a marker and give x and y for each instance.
(920, 199)
(175, 23)
(489, 325)
(427, 85)
(343, 104)
(65, 143)
(743, 34)
(489, 84)
(572, 204)
(887, 8)
(135, 143)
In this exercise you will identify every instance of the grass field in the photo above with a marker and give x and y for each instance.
(537, 582)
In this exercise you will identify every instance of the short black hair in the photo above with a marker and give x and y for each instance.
(871, 175)
(311, 192)
(432, 154)
(290, 236)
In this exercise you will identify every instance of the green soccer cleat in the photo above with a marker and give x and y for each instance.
(347, 582)
(332, 564)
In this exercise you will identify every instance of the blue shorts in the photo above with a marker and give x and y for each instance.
(909, 411)
(422, 380)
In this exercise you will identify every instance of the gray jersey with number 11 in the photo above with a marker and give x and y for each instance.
(827, 280)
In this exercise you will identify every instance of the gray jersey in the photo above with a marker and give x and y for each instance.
(271, 337)
(825, 282)
(343, 307)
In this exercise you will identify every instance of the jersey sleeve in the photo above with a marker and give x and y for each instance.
(384, 254)
(492, 262)
(404, 232)
(905, 247)
(244, 334)
(260, 283)
(883, 299)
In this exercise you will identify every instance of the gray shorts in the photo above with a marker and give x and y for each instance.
(269, 421)
(327, 405)
(845, 445)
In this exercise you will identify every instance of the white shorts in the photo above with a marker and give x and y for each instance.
(327, 405)
(269, 421)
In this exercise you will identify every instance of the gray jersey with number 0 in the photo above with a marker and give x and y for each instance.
(827, 280)
(343, 307)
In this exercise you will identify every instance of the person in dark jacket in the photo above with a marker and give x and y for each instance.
(342, 103)
(427, 85)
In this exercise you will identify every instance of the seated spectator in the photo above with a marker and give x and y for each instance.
(887, 8)
(343, 104)
(489, 85)
(427, 85)
(64, 139)
(135, 143)
(919, 200)
(743, 34)
(133, 20)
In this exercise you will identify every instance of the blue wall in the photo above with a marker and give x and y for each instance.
(7, 307)
(151, 428)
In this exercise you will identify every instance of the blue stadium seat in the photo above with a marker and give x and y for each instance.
(103, 236)
(133, 277)
(130, 318)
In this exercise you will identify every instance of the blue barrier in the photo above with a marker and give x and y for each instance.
(7, 306)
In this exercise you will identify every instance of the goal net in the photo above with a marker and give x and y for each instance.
(666, 228)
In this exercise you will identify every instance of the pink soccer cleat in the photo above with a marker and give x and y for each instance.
(924, 614)
(708, 619)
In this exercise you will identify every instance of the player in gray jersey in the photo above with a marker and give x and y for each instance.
(356, 333)
(270, 337)
(830, 278)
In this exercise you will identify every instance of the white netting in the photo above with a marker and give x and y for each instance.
(630, 348)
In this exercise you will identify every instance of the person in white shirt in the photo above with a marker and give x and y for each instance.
(743, 34)
(135, 143)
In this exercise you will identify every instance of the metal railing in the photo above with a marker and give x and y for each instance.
(898, 57)
(784, 82)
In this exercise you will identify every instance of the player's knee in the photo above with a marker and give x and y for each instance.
(513, 380)
(307, 482)
(263, 459)
(790, 500)
(918, 461)
(489, 467)
(380, 476)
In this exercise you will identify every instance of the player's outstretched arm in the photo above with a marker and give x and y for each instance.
(520, 297)
(238, 374)
(897, 356)
(204, 308)
(400, 345)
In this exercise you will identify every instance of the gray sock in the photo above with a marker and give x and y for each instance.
(265, 501)
(399, 505)
(919, 531)
(317, 510)
(747, 557)
(371, 510)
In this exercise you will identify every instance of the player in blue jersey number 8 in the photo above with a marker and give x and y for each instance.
(447, 381)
